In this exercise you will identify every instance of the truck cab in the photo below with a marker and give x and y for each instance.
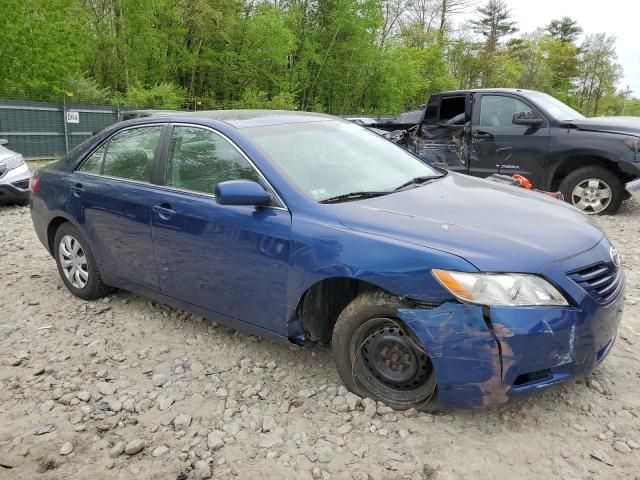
(509, 131)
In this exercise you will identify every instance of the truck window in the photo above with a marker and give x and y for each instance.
(451, 107)
(498, 110)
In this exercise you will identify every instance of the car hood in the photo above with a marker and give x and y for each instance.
(622, 125)
(495, 227)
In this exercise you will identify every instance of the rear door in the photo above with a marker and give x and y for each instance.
(443, 136)
(109, 196)
(233, 260)
(500, 146)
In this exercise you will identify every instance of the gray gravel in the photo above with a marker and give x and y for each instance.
(128, 388)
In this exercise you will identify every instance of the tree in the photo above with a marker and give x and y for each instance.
(41, 45)
(494, 23)
(565, 29)
(448, 8)
(598, 71)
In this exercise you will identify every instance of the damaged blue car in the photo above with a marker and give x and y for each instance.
(430, 286)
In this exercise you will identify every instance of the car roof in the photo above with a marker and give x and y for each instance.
(255, 118)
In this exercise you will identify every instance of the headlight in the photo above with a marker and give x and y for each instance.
(513, 289)
(13, 161)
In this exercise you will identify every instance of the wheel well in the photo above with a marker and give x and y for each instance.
(321, 305)
(52, 229)
(573, 163)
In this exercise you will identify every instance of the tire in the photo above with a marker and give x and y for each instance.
(584, 188)
(87, 285)
(368, 331)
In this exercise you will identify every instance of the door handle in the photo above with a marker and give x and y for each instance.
(481, 135)
(77, 190)
(164, 211)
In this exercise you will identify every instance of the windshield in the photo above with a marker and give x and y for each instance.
(332, 158)
(554, 107)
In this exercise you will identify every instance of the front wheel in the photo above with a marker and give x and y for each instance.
(378, 357)
(594, 190)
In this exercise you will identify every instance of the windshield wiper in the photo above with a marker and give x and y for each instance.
(418, 181)
(353, 196)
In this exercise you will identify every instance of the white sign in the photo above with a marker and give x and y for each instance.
(73, 117)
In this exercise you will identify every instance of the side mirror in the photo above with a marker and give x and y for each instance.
(526, 119)
(3, 141)
(241, 192)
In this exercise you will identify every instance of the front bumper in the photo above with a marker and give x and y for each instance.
(486, 356)
(14, 185)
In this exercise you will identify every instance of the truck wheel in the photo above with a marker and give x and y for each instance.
(378, 357)
(76, 265)
(594, 190)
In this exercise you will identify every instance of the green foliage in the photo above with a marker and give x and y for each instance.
(162, 95)
(86, 90)
(338, 56)
(565, 29)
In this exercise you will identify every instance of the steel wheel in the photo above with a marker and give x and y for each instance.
(73, 262)
(592, 195)
(390, 363)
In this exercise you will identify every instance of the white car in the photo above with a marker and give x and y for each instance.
(14, 176)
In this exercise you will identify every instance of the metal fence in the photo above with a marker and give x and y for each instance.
(47, 130)
(41, 130)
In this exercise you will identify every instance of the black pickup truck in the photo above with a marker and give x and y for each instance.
(488, 131)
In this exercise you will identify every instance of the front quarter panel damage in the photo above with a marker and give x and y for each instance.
(465, 353)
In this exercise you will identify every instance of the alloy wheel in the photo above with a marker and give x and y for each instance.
(592, 195)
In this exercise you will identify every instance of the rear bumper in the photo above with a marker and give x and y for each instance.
(487, 356)
(14, 185)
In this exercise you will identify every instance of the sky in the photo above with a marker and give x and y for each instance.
(613, 17)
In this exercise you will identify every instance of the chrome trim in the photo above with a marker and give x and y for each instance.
(165, 187)
(128, 180)
(210, 195)
(216, 132)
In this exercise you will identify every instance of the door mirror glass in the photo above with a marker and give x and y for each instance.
(527, 119)
(241, 192)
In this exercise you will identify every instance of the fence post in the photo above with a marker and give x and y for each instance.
(64, 122)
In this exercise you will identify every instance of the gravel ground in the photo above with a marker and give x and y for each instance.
(127, 388)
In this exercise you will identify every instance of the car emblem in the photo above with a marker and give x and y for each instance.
(615, 258)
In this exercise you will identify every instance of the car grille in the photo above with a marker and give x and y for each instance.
(21, 184)
(600, 281)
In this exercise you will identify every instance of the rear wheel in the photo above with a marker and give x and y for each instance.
(594, 190)
(76, 264)
(377, 356)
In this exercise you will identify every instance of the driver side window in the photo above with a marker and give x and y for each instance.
(498, 110)
(199, 159)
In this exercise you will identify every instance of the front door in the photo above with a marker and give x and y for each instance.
(109, 198)
(233, 260)
(500, 146)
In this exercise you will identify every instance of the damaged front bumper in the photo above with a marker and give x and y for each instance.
(486, 356)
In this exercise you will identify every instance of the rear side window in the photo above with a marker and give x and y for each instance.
(199, 159)
(129, 155)
(93, 164)
(451, 107)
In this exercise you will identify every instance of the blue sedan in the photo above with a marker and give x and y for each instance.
(432, 288)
